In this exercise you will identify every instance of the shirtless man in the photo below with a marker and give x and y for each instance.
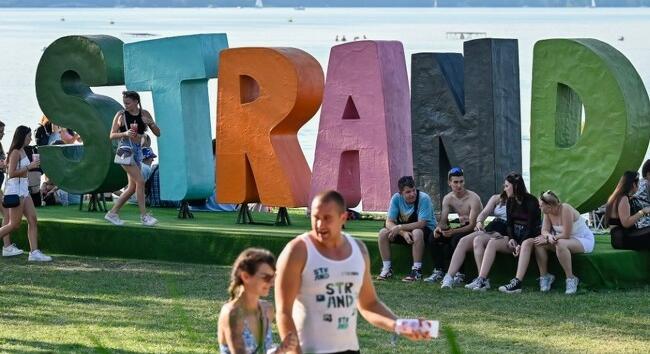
(323, 283)
(467, 205)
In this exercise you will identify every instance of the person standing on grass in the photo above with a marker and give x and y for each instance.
(324, 282)
(563, 231)
(523, 222)
(129, 126)
(245, 321)
(410, 221)
(467, 205)
(477, 240)
(8, 249)
(17, 184)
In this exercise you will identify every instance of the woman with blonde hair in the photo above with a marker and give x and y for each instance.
(565, 232)
(245, 320)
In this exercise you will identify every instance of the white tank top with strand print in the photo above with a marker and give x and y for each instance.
(325, 311)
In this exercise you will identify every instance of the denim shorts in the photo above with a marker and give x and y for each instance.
(137, 151)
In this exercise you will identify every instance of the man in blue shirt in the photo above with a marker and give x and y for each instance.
(410, 221)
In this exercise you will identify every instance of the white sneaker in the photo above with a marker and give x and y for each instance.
(447, 282)
(459, 278)
(482, 285)
(148, 220)
(545, 282)
(435, 277)
(38, 256)
(114, 219)
(11, 251)
(571, 285)
(475, 283)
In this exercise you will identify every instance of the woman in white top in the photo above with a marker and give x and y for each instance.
(477, 240)
(17, 184)
(565, 232)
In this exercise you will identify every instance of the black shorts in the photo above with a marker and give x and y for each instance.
(401, 241)
(497, 225)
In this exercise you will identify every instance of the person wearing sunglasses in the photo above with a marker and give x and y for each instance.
(410, 221)
(324, 284)
(523, 222)
(445, 239)
(622, 213)
(245, 321)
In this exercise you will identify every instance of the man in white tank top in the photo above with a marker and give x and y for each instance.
(323, 282)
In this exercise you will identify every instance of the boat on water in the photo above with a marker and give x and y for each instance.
(299, 8)
(259, 4)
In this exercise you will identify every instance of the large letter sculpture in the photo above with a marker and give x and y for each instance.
(466, 113)
(265, 96)
(176, 70)
(363, 144)
(66, 70)
(584, 168)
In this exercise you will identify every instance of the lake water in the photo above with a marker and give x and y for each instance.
(26, 32)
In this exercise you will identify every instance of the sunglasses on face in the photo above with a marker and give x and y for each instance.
(456, 170)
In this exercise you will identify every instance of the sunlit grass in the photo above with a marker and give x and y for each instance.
(91, 305)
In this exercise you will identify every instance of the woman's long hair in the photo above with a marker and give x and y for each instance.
(18, 140)
(248, 261)
(519, 190)
(623, 188)
(2, 150)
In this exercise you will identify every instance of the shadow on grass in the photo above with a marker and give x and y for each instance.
(31, 346)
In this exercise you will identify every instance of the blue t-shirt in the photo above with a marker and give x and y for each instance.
(400, 210)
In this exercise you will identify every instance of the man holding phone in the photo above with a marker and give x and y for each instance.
(323, 282)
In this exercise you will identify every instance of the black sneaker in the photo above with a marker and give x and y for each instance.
(513, 288)
(415, 275)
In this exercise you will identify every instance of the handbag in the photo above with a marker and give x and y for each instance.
(10, 201)
(124, 154)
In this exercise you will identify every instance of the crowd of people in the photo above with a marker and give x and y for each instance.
(323, 276)
(522, 225)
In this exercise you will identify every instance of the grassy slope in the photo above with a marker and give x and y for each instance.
(127, 306)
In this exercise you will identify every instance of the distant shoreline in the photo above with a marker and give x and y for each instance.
(312, 7)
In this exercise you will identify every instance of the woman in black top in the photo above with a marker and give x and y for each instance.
(622, 213)
(524, 220)
(129, 126)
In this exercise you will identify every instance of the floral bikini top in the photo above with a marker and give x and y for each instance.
(250, 342)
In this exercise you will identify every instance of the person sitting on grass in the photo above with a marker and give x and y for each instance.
(622, 213)
(245, 321)
(564, 231)
(477, 240)
(467, 205)
(410, 221)
(523, 222)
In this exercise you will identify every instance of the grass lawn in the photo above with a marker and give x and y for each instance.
(92, 305)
